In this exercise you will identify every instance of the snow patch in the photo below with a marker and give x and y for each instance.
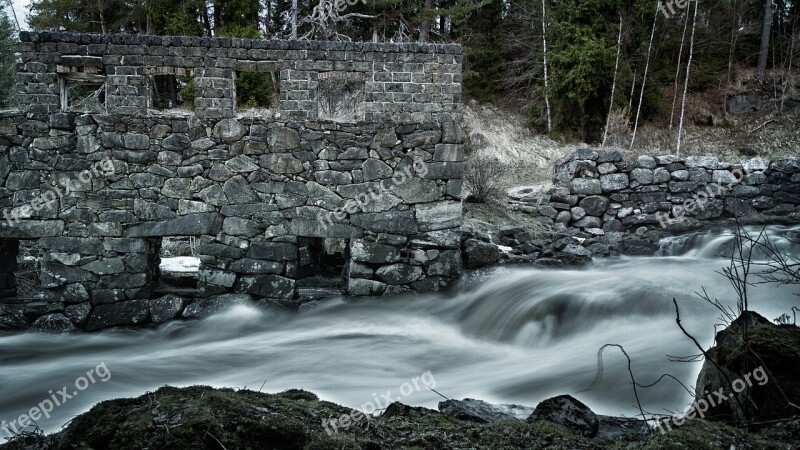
(180, 264)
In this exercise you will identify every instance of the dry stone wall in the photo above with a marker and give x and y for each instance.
(270, 196)
(597, 191)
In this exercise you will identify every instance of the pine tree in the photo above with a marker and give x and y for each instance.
(83, 16)
(581, 58)
(7, 37)
(239, 18)
(483, 53)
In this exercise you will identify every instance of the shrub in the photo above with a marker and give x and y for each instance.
(619, 130)
(483, 177)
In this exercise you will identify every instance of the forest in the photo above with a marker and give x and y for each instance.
(568, 65)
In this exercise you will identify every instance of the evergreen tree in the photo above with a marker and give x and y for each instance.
(483, 53)
(582, 59)
(7, 60)
(97, 16)
(239, 18)
(165, 17)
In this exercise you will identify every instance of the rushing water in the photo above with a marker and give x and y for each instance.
(506, 335)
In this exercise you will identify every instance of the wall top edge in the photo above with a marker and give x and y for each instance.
(224, 42)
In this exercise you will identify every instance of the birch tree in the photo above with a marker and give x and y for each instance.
(686, 81)
(644, 77)
(544, 58)
(294, 20)
(678, 72)
(613, 83)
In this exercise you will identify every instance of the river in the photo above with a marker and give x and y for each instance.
(505, 335)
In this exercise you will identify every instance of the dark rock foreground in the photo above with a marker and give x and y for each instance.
(201, 417)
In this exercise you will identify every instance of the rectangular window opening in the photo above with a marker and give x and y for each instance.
(322, 257)
(178, 266)
(82, 84)
(171, 92)
(83, 95)
(256, 91)
(341, 99)
(19, 273)
(321, 267)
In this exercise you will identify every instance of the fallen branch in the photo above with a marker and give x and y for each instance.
(217, 440)
(705, 354)
(440, 395)
(630, 371)
(761, 126)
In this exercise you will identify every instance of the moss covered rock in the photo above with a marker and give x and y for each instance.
(202, 417)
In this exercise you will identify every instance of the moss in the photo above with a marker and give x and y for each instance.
(200, 417)
(698, 435)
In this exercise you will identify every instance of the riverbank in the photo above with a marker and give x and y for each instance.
(201, 417)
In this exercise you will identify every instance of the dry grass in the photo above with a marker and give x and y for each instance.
(738, 138)
(619, 131)
(710, 130)
(179, 246)
(504, 136)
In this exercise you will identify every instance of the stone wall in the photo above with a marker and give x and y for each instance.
(401, 82)
(597, 191)
(266, 193)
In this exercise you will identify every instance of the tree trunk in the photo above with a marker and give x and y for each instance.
(686, 82)
(14, 12)
(734, 33)
(788, 72)
(763, 53)
(678, 71)
(102, 16)
(544, 58)
(217, 16)
(425, 26)
(205, 20)
(613, 83)
(644, 77)
(294, 20)
(268, 20)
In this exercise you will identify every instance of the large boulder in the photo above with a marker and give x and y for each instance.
(568, 411)
(53, 323)
(595, 205)
(229, 130)
(479, 254)
(166, 308)
(477, 410)
(125, 313)
(758, 385)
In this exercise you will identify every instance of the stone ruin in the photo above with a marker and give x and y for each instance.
(353, 171)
